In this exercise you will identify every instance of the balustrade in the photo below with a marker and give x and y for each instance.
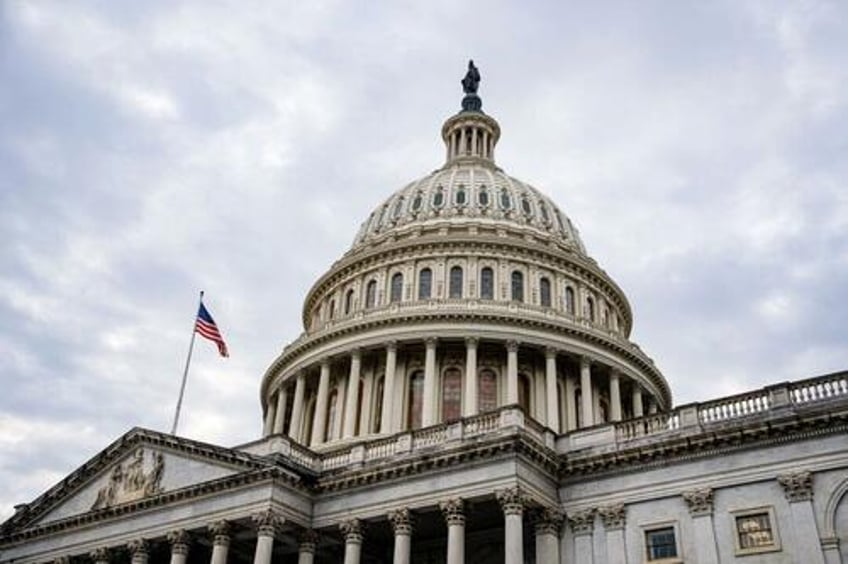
(817, 389)
(734, 407)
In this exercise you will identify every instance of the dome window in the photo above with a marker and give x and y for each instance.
(455, 286)
(425, 284)
(382, 216)
(416, 202)
(460, 196)
(371, 294)
(569, 300)
(397, 287)
(487, 284)
(545, 292)
(525, 206)
(483, 197)
(544, 211)
(439, 198)
(398, 208)
(506, 201)
(348, 302)
(517, 286)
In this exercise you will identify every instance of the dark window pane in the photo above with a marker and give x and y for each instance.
(397, 287)
(487, 284)
(416, 400)
(487, 391)
(455, 290)
(517, 286)
(451, 395)
(425, 283)
(545, 292)
(371, 294)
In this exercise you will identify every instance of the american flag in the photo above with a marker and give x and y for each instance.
(206, 327)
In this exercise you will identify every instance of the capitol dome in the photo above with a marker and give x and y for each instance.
(464, 292)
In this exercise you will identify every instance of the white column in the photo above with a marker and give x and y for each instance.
(319, 420)
(266, 524)
(586, 401)
(638, 410)
(548, 526)
(220, 541)
(613, 517)
(511, 372)
(798, 488)
(387, 418)
(280, 412)
(615, 395)
(101, 555)
(307, 543)
(582, 525)
(462, 141)
(570, 406)
(401, 521)
(268, 424)
(352, 399)
(700, 505)
(454, 512)
(352, 529)
(551, 389)
(470, 404)
(139, 550)
(297, 408)
(512, 504)
(179, 541)
(428, 416)
(474, 141)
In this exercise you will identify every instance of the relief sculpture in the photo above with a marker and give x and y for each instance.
(130, 482)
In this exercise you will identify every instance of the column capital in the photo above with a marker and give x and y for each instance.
(797, 486)
(391, 345)
(431, 342)
(582, 522)
(356, 353)
(99, 555)
(551, 352)
(402, 521)
(453, 510)
(307, 541)
(586, 361)
(615, 372)
(267, 522)
(138, 547)
(324, 361)
(472, 342)
(353, 530)
(613, 516)
(512, 500)
(179, 541)
(699, 502)
(220, 532)
(548, 520)
(512, 345)
(62, 560)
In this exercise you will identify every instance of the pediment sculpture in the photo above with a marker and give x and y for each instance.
(130, 481)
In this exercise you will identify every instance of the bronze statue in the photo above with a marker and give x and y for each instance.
(471, 80)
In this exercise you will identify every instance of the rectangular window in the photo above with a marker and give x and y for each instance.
(755, 531)
(660, 544)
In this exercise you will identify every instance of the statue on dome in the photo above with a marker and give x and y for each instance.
(471, 80)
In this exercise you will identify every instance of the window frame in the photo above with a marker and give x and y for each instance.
(768, 510)
(491, 295)
(396, 288)
(456, 284)
(429, 272)
(658, 526)
(512, 286)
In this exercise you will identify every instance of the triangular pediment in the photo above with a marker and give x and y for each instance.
(140, 465)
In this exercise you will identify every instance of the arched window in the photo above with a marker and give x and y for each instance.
(569, 300)
(377, 416)
(371, 294)
(506, 201)
(525, 206)
(455, 287)
(348, 303)
(425, 284)
(332, 408)
(416, 202)
(398, 208)
(397, 287)
(438, 197)
(487, 284)
(483, 197)
(544, 211)
(451, 394)
(590, 309)
(487, 390)
(415, 400)
(459, 198)
(524, 392)
(517, 286)
(545, 292)
(332, 309)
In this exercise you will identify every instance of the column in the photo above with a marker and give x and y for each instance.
(179, 541)
(139, 550)
(615, 395)
(586, 400)
(297, 408)
(512, 502)
(637, 401)
(270, 411)
(266, 524)
(100, 556)
(280, 412)
(401, 521)
(548, 525)
(387, 418)
(570, 405)
(551, 389)
(319, 421)
(474, 141)
(700, 504)
(454, 512)
(352, 529)
(352, 399)
(582, 524)
(462, 141)
(798, 488)
(307, 542)
(470, 406)
(220, 541)
(428, 416)
(511, 372)
(613, 517)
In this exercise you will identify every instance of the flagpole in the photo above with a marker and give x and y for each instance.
(185, 371)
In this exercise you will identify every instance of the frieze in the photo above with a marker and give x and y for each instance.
(797, 486)
(132, 482)
(699, 502)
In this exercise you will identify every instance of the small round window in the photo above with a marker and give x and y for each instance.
(506, 201)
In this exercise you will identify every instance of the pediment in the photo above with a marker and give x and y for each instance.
(140, 465)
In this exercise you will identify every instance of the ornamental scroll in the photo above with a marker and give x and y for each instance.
(130, 482)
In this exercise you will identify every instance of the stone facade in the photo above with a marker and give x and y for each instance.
(465, 390)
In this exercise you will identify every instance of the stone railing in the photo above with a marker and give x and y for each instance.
(733, 407)
(818, 389)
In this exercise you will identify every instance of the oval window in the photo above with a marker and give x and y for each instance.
(525, 206)
(416, 202)
(506, 201)
(438, 198)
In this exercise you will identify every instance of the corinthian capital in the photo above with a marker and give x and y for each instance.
(548, 520)
(700, 502)
(454, 511)
(582, 522)
(220, 532)
(401, 520)
(797, 486)
(613, 516)
(99, 555)
(267, 522)
(353, 530)
(179, 541)
(512, 500)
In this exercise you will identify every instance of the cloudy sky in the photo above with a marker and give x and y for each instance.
(152, 149)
